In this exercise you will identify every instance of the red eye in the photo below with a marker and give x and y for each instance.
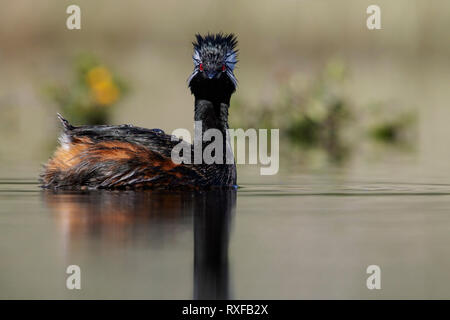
(224, 68)
(201, 66)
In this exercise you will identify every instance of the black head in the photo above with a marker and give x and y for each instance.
(214, 59)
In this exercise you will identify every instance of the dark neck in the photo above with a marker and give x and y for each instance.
(211, 106)
(212, 114)
(212, 100)
(212, 111)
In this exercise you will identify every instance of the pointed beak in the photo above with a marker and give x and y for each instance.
(211, 75)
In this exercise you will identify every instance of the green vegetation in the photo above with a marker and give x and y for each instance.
(318, 114)
(391, 127)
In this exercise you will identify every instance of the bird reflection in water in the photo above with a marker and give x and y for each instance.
(123, 217)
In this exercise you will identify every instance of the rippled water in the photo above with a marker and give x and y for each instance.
(309, 239)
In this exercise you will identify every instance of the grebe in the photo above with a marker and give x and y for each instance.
(128, 157)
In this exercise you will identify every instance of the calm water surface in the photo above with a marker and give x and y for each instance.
(309, 239)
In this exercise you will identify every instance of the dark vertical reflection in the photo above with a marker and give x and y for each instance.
(213, 213)
(124, 219)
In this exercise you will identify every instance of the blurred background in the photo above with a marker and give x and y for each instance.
(364, 157)
(341, 94)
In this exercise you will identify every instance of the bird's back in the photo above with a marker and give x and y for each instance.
(125, 157)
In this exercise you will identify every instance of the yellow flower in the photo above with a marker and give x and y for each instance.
(106, 93)
(97, 75)
(104, 89)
